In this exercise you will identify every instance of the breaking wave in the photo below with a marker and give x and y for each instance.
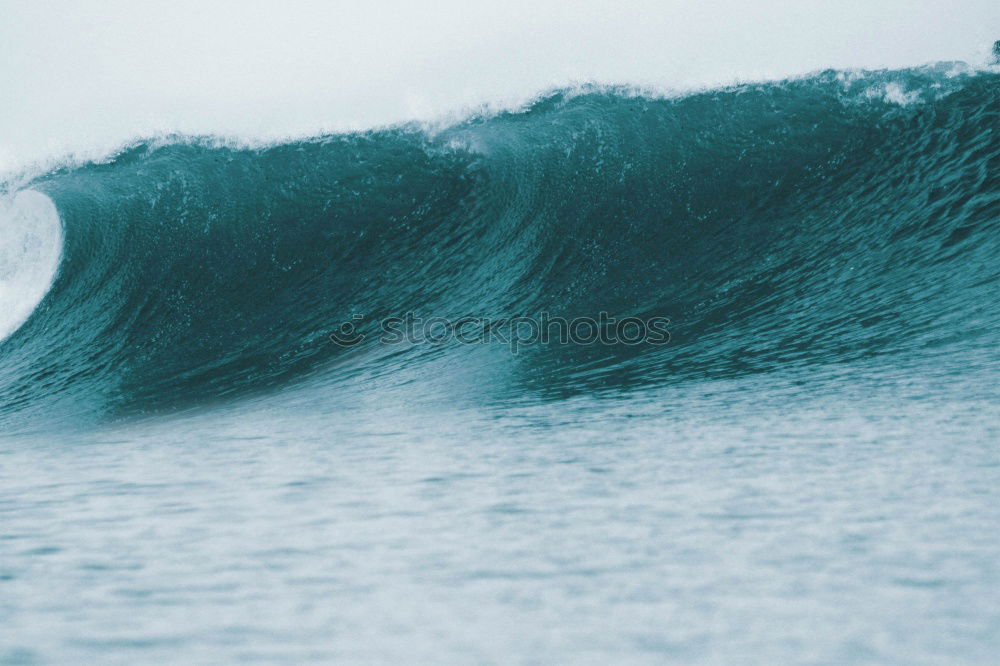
(831, 219)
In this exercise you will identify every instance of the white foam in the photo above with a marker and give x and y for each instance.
(31, 240)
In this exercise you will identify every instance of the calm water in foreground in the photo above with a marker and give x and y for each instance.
(845, 517)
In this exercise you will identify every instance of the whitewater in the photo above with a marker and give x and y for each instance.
(194, 470)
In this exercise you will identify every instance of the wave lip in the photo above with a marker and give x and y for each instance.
(31, 241)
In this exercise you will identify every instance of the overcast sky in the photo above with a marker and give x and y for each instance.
(89, 74)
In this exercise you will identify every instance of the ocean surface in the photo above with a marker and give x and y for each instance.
(195, 469)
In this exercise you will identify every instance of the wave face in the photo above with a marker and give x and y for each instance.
(840, 218)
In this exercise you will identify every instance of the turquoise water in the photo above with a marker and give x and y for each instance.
(192, 471)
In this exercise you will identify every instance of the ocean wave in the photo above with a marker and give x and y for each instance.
(828, 219)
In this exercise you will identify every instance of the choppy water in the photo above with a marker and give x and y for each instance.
(191, 471)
